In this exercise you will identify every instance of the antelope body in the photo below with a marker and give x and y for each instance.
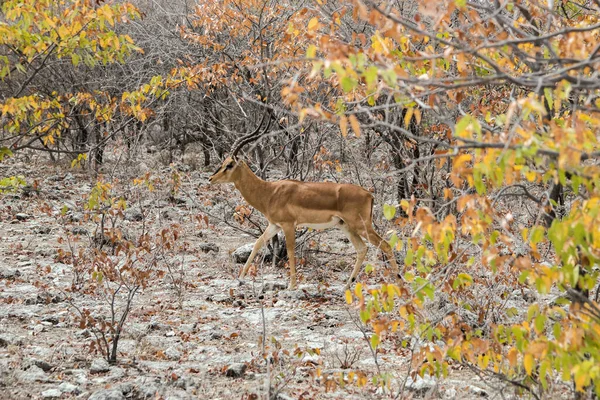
(289, 204)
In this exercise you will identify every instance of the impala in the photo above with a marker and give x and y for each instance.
(289, 204)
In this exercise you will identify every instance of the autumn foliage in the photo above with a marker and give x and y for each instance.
(483, 116)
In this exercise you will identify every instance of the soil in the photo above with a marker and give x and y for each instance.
(206, 341)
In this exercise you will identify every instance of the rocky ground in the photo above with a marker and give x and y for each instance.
(206, 343)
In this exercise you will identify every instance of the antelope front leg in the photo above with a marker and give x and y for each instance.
(290, 240)
(271, 231)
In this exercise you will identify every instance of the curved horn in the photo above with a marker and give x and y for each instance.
(244, 140)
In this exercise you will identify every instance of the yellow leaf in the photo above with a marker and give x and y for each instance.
(348, 297)
(581, 381)
(408, 116)
(358, 290)
(313, 24)
(355, 125)
(418, 116)
(460, 160)
(528, 362)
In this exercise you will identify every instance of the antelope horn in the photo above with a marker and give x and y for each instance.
(244, 140)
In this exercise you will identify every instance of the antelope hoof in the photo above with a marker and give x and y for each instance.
(292, 286)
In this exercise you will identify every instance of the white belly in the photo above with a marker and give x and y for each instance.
(335, 222)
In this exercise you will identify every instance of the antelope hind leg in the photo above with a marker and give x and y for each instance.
(361, 253)
(290, 241)
(379, 242)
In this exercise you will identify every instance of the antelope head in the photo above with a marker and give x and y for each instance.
(229, 171)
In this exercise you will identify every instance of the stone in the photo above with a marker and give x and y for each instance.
(283, 396)
(42, 230)
(134, 214)
(116, 373)
(241, 254)
(239, 303)
(478, 391)
(5, 341)
(107, 394)
(6, 273)
(51, 394)
(44, 365)
(126, 388)
(215, 335)
(172, 353)
(208, 247)
(99, 365)
(169, 214)
(80, 376)
(420, 384)
(219, 298)
(236, 370)
(76, 217)
(34, 374)
(67, 387)
(274, 286)
(147, 388)
(25, 263)
(78, 230)
(22, 217)
(450, 393)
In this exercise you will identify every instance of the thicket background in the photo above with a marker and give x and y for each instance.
(475, 124)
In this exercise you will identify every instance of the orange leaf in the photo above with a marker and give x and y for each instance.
(355, 125)
(344, 125)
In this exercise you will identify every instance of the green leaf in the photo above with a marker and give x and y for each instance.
(370, 76)
(349, 83)
(75, 59)
(540, 323)
(374, 341)
(389, 76)
(408, 260)
(5, 152)
(393, 240)
(389, 211)
(537, 234)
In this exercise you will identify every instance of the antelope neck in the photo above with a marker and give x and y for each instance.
(255, 190)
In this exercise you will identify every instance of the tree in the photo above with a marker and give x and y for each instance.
(49, 52)
(521, 79)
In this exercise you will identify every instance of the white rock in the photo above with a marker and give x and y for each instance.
(51, 394)
(33, 374)
(67, 387)
(110, 394)
(99, 365)
(420, 384)
(172, 353)
(450, 393)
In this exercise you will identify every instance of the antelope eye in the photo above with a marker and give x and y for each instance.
(229, 166)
